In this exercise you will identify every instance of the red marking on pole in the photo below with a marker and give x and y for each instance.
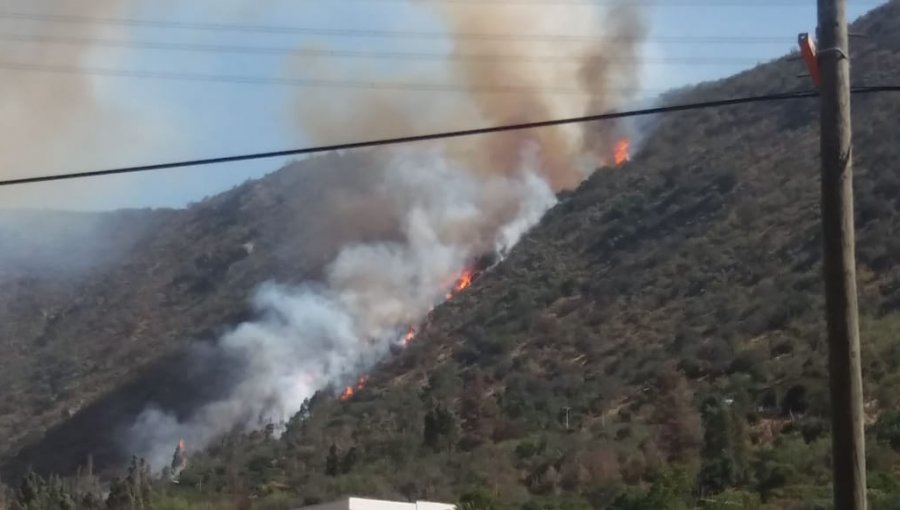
(808, 50)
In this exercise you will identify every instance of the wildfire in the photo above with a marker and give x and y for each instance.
(409, 336)
(464, 281)
(179, 461)
(349, 391)
(621, 154)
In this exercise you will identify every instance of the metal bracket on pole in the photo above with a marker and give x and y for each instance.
(839, 51)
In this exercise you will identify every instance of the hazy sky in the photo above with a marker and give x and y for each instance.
(167, 120)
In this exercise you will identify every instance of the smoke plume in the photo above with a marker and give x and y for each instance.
(513, 63)
(62, 122)
(601, 74)
(37, 107)
(452, 203)
(328, 333)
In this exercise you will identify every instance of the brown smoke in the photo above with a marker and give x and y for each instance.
(613, 35)
(333, 116)
(63, 122)
(502, 152)
(41, 109)
(600, 68)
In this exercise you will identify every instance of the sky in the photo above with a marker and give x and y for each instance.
(138, 121)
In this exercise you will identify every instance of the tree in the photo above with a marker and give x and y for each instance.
(54, 493)
(31, 489)
(557, 503)
(431, 437)
(120, 498)
(732, 499)
(440, 429)
(719, 469)
(670, 491)
(477, 412)
(679, 429)
(349, 460)
(795, 401)
(887, 429)
(134, 491)
(770, 473)
(478, 500)
(332, 462)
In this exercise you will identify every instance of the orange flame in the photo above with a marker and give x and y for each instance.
(621, 154)
(349, 391)
(464, 281)
(409, 336)
(181, 445)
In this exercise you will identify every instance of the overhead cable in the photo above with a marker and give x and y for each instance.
(765, 98)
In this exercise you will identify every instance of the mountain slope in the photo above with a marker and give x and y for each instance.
(89, 341)
(591, 362)
(655, 306)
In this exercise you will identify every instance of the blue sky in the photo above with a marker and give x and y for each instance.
(196, 120)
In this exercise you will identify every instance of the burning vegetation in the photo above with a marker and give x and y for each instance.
(349, 391)
(622, 152)
(179, 461)
(462, 282)
(465, 280)
(409, 336)
(395, 223)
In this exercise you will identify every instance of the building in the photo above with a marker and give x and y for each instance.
(376, 504)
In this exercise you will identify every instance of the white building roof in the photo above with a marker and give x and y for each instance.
(377, 504)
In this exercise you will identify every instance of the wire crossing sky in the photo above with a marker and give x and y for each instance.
(175, 80)
(767, 98)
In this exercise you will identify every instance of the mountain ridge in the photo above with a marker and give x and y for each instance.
(592, 364)
(584, 364)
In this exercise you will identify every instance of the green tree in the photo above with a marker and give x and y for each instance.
(36, 493)
(557, 503)
(120, 497)
(349, 460)
(134, 491)
(31, 490)
(332, 462)
(887, 429)
(440, 429)
(478, 500)
(719, 468)
(679, 428)
(670, 491)
(732, 500)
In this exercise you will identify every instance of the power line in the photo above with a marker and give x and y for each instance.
(371, 33)
(787, 96)
(305, 82)
(594, 3)
(351, 54)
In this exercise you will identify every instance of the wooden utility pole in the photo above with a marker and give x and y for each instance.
(848, 442)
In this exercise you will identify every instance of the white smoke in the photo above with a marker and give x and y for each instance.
(463, 200)
(312, 337)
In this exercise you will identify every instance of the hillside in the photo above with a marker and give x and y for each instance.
(96, 334)
(657, 338)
